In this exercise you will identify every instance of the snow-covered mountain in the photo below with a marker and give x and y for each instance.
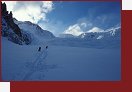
(10, 30)
(113, 32)
(22, 32)
(67, 36)
(109, 38)
(37, 34)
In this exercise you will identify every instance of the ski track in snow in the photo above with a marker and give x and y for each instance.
(37, 65)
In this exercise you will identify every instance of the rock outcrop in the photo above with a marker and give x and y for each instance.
(8, 16)
(12, 30)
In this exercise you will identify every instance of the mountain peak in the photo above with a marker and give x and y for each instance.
(95, 29)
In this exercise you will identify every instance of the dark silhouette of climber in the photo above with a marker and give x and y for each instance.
(46, 47)
(39, 49)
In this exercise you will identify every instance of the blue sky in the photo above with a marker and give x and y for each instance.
(73, 17)
(70, 12)
(99, 14)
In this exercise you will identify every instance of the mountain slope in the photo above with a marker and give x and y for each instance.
(10, 30)
(38, 35)
(22, 32)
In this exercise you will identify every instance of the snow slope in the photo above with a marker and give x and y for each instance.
(59, 63)
(37, 34)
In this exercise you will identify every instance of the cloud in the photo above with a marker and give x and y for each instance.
(82, 25)
(56, 27)
(102, 18)
(74, 30)
(85, 23)
(95, 29)
(30, 10)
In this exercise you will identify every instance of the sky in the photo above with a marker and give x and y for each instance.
(68, 17)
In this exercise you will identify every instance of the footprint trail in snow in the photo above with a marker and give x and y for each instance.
(38, 65)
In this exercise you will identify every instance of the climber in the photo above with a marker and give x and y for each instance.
(46, 47)
(39, 49)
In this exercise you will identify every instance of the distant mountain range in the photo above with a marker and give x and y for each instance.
(108, 38)
(111, 32)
